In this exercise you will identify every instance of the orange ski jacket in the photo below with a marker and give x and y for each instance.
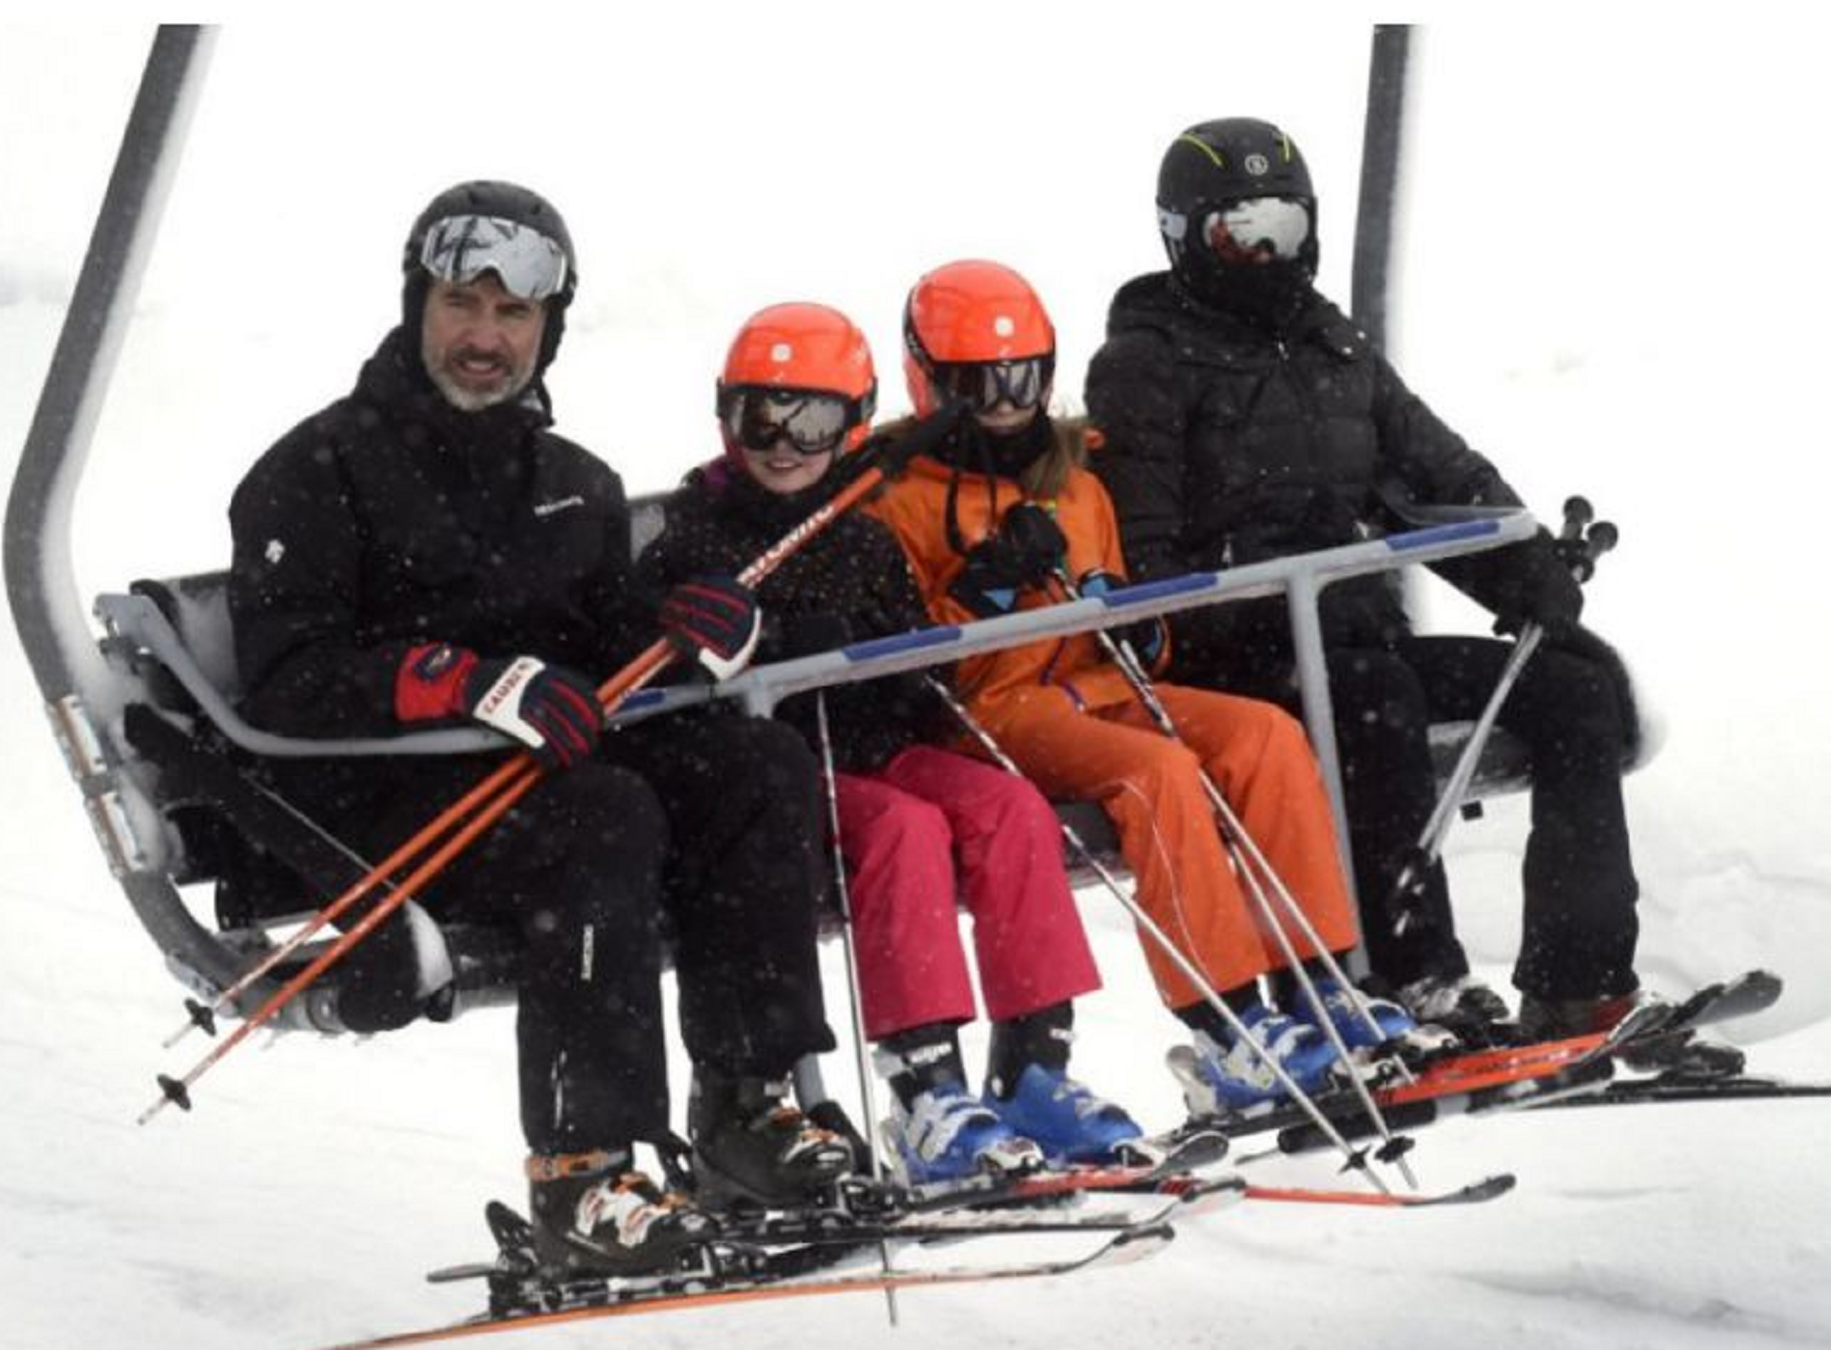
(1073, 671)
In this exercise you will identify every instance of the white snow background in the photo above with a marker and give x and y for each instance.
(1613, 280)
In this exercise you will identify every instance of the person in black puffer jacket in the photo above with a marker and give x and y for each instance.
(918, 824)
(1244, 418)
(426, 551)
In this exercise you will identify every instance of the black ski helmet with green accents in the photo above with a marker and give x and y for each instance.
(1228, 160)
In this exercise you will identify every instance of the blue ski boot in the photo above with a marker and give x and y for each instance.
(947, 1134)
(1070, 1123)
(1234, 1079)
(1396, 1027)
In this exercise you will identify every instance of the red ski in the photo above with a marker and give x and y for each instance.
(707, 1289)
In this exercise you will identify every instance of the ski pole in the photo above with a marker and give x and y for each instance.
(498, 791)
(1393, 1148)
(1355, 1160)
(854, 989)
(1584, 542)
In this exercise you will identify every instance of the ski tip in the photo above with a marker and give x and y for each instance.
(1179, 1151)
(1766, 982)
(1492, 1187)
(1135, 1244)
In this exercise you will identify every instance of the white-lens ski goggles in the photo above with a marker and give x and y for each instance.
(1257, 229)
(459, 249)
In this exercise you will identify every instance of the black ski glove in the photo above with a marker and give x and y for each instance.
(1027, 548)
(1539, 588)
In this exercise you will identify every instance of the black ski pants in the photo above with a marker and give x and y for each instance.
(1580, 926)
(700, 833)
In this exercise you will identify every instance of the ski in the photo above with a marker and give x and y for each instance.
(1444, 1088)
(1174, 1155)
(1002, 1218)
(1535, 1086)
(1476, 1192)
(1468, 1082)
(1670, 1088)
(1667, 1040)
(1746, 994)
(862, 1213)
(712, 1286)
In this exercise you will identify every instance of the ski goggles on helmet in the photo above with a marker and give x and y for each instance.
(813, 421)
(983, 385)
(1257, 229)
(459, 249)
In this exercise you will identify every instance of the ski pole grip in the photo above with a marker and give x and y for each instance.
(1597, 540)
(1577, 514)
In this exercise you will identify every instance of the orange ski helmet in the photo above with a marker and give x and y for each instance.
(976, 314)
(798, 370)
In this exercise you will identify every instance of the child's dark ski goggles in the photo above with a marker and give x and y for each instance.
(813, 421)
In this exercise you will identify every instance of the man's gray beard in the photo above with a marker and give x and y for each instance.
(471, 400)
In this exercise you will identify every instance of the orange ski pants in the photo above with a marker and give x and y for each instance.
(1168, 833)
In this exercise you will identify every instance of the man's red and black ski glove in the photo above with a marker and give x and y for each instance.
(715, 620)
(551, 710)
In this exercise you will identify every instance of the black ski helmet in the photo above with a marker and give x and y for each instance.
(503, 201)
(1227, 160)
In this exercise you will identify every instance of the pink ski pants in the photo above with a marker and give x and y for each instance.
(933, 828)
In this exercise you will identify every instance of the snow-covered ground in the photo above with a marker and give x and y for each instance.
(1612, 282)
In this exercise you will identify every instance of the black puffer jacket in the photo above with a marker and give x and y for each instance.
(1227, 444)
(849, 583)
(390, 519)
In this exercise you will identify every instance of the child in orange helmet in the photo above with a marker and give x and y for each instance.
(918, 825)
(988, 523)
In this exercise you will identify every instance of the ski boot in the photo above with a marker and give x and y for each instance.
(830, 1116)
(1068, 1122)
(947, 1134)
(1393, 1031)
(1461, 1005)
(751, 1145)
(592, 1216)
(1235, 1080)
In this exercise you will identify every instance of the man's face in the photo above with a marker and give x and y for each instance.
(479, 342)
